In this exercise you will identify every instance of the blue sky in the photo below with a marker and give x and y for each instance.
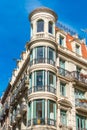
(15, 27)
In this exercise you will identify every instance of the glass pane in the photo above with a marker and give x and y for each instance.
(39, 109)
(51, 53)
(39, 52)
(40, 26)
(50, 27)
(39, 78)
(61, 41)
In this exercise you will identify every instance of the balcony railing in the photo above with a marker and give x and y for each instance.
(42, 60)
(82, 103)
(50, 89)
(51, 122)
(64, 72)
(80, 77)
(39, 88)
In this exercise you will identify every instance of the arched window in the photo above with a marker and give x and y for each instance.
(31, 29)
(40, 25)
(50, 27)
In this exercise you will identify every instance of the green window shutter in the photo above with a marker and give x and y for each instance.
(76, 122)
(54, 111)
(48, 52)
(35, 77)
(86, 123)
(48, 78)
(34, 109)
(43, 78)
(48, 109)
(54, 80)
(43, 108)
(83, 122)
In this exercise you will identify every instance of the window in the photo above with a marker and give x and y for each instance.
(31, 30)
(77, 49)
(39, 80)
(50, 28)
(40, 25)
(63, 117)
(40, 54)
(51, 56)
(62, 67)
(63, 89)
(61, 40)
(81, 122)
(51, 112)
(39, 112)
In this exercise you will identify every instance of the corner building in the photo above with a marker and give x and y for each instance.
(49, 87)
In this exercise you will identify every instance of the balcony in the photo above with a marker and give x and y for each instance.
(42, 60)
(79, 77)
(81, 104)
(64, 72)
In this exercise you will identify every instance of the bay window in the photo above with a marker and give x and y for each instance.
(42, 54)
(41, 79)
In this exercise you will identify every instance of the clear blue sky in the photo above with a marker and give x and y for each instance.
(14, 27)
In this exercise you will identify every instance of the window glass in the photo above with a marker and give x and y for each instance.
(39, 111)
(63, 116)
(81, 122)
(40, 26)
(77, 49)
(61, 40)
(51, 79)
(39, 78)
(40, 52)
(50, 27)
(51, 112)
(51, 56)
(62, 89)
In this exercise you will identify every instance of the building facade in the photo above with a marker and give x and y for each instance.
(48, 89)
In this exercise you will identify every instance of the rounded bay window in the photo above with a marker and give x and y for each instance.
(39, 110)
(42, 54)
(42, 80)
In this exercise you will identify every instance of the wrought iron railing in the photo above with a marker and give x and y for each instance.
(64, 72)
(51, 89)
(81, 103)
(42, 60)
